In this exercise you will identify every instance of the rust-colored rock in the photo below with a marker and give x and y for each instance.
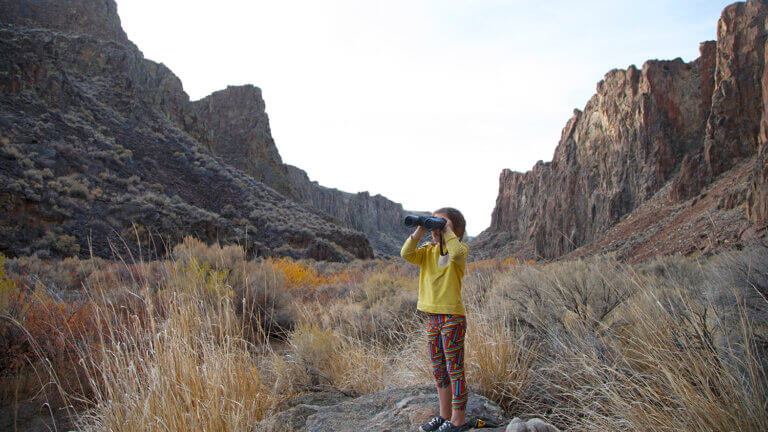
(671, 128)
(614, 155)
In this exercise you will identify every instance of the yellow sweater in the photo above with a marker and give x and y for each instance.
(440, 279)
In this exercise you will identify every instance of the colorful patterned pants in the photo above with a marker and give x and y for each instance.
(445, 335)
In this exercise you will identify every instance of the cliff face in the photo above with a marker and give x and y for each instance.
(379, 218)
(97, 18)
(96, 150)
(234, 125)
(670, 128)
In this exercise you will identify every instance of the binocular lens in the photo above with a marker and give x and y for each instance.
(412, 221)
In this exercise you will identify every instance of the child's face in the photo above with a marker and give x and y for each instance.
(436, 233)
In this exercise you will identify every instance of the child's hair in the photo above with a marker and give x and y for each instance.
(457, 219)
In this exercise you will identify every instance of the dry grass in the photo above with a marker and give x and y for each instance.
(191, 371)
(499, 361)
(678, 344)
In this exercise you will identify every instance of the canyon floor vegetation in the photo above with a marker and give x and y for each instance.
(209, 340)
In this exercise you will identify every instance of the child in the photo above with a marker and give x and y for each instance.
(440, 298)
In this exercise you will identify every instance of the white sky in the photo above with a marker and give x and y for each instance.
(424, 102)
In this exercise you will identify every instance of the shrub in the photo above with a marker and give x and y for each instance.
(321, 359)
(67, 245)
(34, 175)
(227, 257)
(157, 187)
(56, 275)
(9, 288)
(76, 185)
(298, 274)
(40, 335)
(261, 300)
(545, 298)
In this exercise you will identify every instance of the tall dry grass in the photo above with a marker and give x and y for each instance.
(210, 340)
(181, 360)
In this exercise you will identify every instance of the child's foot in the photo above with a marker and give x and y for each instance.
(432, 425)
(449, 427)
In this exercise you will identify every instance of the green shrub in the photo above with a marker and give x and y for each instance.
(9, 288)
(67, 245)
(34, 175)
(259, 291)
(76, 185)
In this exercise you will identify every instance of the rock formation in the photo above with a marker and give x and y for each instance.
(97, 18)
(233, 124)
(394, 410)
(100, 150)
(653, 139)
(379, 218)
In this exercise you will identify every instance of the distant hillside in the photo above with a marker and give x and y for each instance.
(100, 145)
(233, 124)
(379, 218)
(670, 158)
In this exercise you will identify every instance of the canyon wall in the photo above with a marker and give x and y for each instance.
(101, 150)
(671, 127)
(379, 218)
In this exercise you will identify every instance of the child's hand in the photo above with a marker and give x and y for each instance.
(419, 233)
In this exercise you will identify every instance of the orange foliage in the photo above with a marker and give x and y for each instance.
(483, 265)
(43, 327)
(303, 274)
(511, 261)
(298, 274)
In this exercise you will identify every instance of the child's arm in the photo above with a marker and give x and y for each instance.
(409, 252)
(456, 251)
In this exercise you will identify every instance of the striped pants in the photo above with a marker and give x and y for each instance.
(445, 336)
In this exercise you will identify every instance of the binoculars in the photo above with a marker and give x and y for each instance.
(428, 222)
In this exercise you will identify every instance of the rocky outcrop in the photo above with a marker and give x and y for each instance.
(379, 218)
(233, 124)
(669, 128)
(737, 106)
(757, 202)
(95, 153)
(96, 18)
(395, 410)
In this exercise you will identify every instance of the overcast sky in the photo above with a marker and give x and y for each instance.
(424, 102)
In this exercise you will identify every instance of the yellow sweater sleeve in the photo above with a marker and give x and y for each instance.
(456, 250)
(410, 253)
